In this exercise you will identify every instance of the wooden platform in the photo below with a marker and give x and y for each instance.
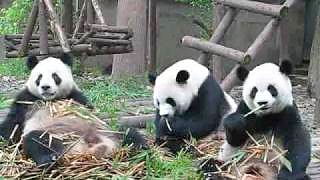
(314, 167)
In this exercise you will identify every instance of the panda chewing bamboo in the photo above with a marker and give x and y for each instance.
(269, 85)
(41, 133)
(189, 103)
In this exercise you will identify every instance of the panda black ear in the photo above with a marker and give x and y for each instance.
(242, 73)
(152, 78)
(182, 77)
(286, 67)
(32, 61)
(67, 59)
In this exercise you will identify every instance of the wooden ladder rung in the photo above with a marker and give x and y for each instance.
(257, 7)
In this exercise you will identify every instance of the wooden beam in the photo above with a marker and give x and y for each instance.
(43, 28)
(106, 28)
(20, 36)
(217, 49)
(152, 36)
(98, 11)
(30, 27)
(264, 36)
(219, 33)
(257, 7)
(61, 35)
(109, 41)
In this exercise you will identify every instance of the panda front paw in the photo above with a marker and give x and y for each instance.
(235, 122)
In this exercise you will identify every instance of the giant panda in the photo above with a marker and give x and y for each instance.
(269, 85)
(51, 79)
(189, 103)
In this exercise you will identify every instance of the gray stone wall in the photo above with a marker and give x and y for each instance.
(174, 22)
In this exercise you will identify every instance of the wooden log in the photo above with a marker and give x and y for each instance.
(20, 36)
(84, 37)
(290, 3)
(30, 27)
(257, 7)
(136, 121)
(112, 50)
(106, 28)
(231, 80)
(217, 49)
(54, 50)
(61, 35)
(219, 33)
(98, 11)
(264, 36)
(152, 36)
(80, 19)
(67, 16)
(78, 50)
(43, 29)
(108, 42)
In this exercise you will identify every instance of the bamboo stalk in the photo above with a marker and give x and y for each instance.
(80, 20)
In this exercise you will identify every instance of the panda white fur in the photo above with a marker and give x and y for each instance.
(270, 85)
(51, 79)
(189, 102)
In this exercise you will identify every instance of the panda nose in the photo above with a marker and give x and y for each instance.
(262, 103)
(45, 87)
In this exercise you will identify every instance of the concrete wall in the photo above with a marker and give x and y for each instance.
(174, 21)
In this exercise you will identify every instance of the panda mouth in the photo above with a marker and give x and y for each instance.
(47, 94)
(265, 108)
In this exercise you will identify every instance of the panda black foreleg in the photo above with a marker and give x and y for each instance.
(80, 98)
(297, 141)
(235, 126)
(41, 148)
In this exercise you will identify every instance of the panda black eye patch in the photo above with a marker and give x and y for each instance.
(171, 101)
(273, 91)
(38, 79)
(56, 78)
(253, 92)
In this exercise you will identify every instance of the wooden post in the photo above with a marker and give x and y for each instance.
(264, 36)
(257, 7)
(80, 22)
(90, 13)
(61, 35)
(219, 33)
(98, 11)
(152, 36)
(29, 29)
(67, 16)
(43, 28)
(231, 79)
(217, 49)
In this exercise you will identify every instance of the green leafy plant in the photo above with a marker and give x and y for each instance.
(12, 18)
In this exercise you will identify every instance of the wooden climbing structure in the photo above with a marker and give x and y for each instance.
(44, 34)
(276, 12)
